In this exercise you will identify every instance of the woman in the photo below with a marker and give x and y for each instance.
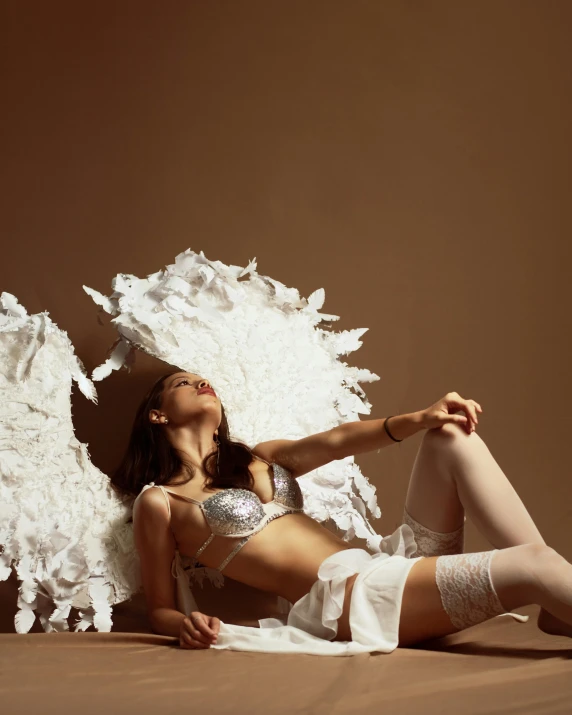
(180, 440)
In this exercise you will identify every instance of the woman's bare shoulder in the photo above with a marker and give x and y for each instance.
(150, 499)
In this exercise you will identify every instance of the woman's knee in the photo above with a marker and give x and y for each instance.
(516, 573)
(447, 435)
(443, 441)
(450, 429)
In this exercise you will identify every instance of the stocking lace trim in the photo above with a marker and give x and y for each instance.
(466, 588)
(435, 543)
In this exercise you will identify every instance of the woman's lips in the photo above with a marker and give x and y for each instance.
(207, 390)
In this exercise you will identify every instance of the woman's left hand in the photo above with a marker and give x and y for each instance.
(442, 412)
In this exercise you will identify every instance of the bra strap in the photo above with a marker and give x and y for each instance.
(204, 546)
(194, 501)
(152, 484)
(166, 497)
(233, 553)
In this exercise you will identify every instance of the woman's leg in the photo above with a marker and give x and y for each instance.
(453, 471)
(524, 574)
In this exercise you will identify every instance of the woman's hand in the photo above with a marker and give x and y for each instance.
(198, 630)
(442, 412)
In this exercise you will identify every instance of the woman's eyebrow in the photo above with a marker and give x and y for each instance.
(174, 380)
(180, 377)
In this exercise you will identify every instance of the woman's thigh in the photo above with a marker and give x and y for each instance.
(432, 498)
(422, 614)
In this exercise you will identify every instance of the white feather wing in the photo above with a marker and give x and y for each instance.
(62, 526)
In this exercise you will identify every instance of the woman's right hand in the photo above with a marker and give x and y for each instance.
(198, 630)
(445, 411)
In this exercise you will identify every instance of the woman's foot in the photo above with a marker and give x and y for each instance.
(553, 625)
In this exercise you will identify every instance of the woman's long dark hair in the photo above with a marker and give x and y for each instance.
(150, 457)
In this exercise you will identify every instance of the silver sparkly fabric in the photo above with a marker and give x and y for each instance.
(233, 511)
(286, 489)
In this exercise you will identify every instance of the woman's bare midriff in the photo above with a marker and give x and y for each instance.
(283, 558)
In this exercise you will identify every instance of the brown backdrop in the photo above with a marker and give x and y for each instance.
(412, 158)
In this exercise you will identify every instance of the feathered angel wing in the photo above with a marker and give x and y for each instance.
(277, 373)
(63, 528)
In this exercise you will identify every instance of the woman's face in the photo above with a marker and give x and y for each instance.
(187, 398)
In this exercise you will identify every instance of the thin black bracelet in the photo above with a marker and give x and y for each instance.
(387, 430)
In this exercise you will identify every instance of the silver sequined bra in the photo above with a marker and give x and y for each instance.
(239, 512)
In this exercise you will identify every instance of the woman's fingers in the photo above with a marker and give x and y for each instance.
(215, 625)
(476, 409)
(453, 408)
(199, 631)
(200, 637)
(202, 631)
(190, 642)
(471, 409)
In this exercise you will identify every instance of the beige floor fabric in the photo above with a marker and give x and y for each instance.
(499, 666)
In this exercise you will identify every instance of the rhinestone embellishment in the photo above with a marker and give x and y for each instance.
(233, 510)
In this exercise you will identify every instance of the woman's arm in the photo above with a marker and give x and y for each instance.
(300, 456)
(303, 455)
(367, 435)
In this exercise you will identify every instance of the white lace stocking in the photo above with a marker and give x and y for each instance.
(466, 588)
(435, 543)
